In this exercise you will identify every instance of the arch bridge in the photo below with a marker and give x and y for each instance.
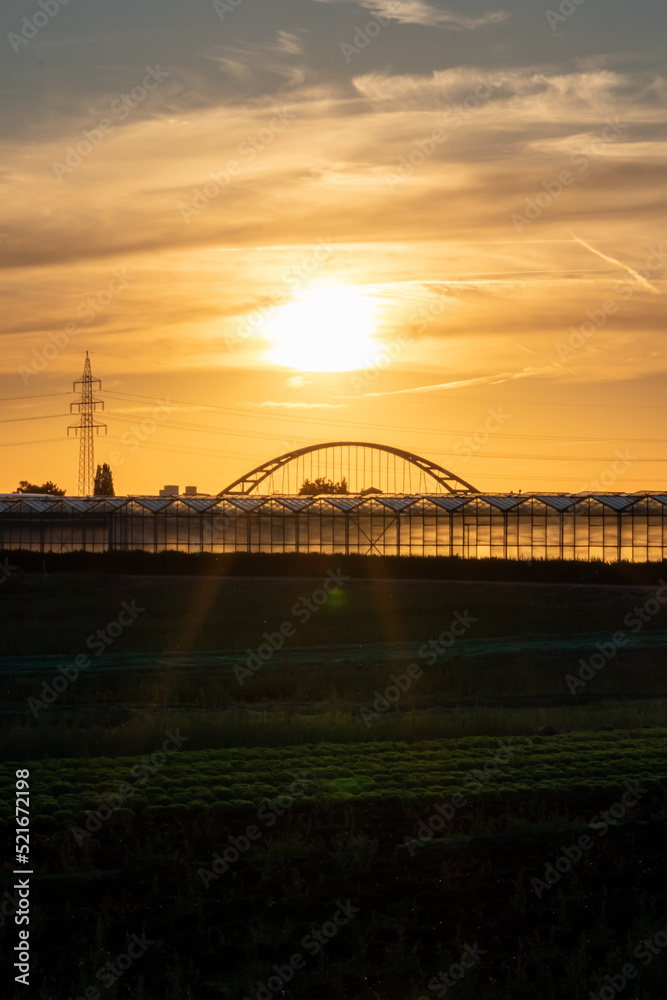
(375, 468)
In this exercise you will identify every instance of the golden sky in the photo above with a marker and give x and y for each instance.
(311, 220)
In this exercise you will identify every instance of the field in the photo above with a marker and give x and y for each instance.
(345, 800)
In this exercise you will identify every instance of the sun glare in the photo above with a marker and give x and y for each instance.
(325, 329)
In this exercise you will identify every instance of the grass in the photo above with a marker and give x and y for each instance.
(137, 689)
(56, 614)
(75, 736)
(301, 564)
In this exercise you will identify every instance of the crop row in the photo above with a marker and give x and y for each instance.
(488, 767)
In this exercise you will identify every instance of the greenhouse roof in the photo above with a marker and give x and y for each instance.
(44, 504)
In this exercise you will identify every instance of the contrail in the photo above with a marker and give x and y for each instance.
(480, 380)
(612, 260)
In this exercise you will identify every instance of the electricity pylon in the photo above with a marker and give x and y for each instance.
(87, 426)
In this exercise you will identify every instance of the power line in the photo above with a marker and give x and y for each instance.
(385, 427)
(203, 428)
(236, 372)
(215, 453)
(39, 395)
(207, 429)
(22, 444)
(264, 435)
(188, 449)
(42, 416)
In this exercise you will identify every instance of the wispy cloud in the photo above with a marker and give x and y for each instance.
(578, 100)
(421, 12)
(289, 42)
(244, 62)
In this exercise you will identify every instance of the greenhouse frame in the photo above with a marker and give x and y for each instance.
(607, 526)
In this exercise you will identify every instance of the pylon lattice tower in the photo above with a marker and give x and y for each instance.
(87, 426)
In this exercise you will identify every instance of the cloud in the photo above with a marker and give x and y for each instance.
(411, 91)
(289, 42)
(325, 175)
(422, 13)
(245, 64)
(529, 94)
(251, 62)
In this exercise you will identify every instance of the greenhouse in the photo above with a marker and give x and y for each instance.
(608, 526)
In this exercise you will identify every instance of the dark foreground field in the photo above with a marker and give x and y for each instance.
(367, 811)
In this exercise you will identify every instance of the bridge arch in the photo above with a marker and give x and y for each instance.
(314, 461)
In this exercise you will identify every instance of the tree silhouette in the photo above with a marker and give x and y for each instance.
(103, 482)
(322, 485)
(47, 487)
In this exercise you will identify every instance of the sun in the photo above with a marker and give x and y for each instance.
(324, 329)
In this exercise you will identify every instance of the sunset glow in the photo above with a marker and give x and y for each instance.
(467, 203)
